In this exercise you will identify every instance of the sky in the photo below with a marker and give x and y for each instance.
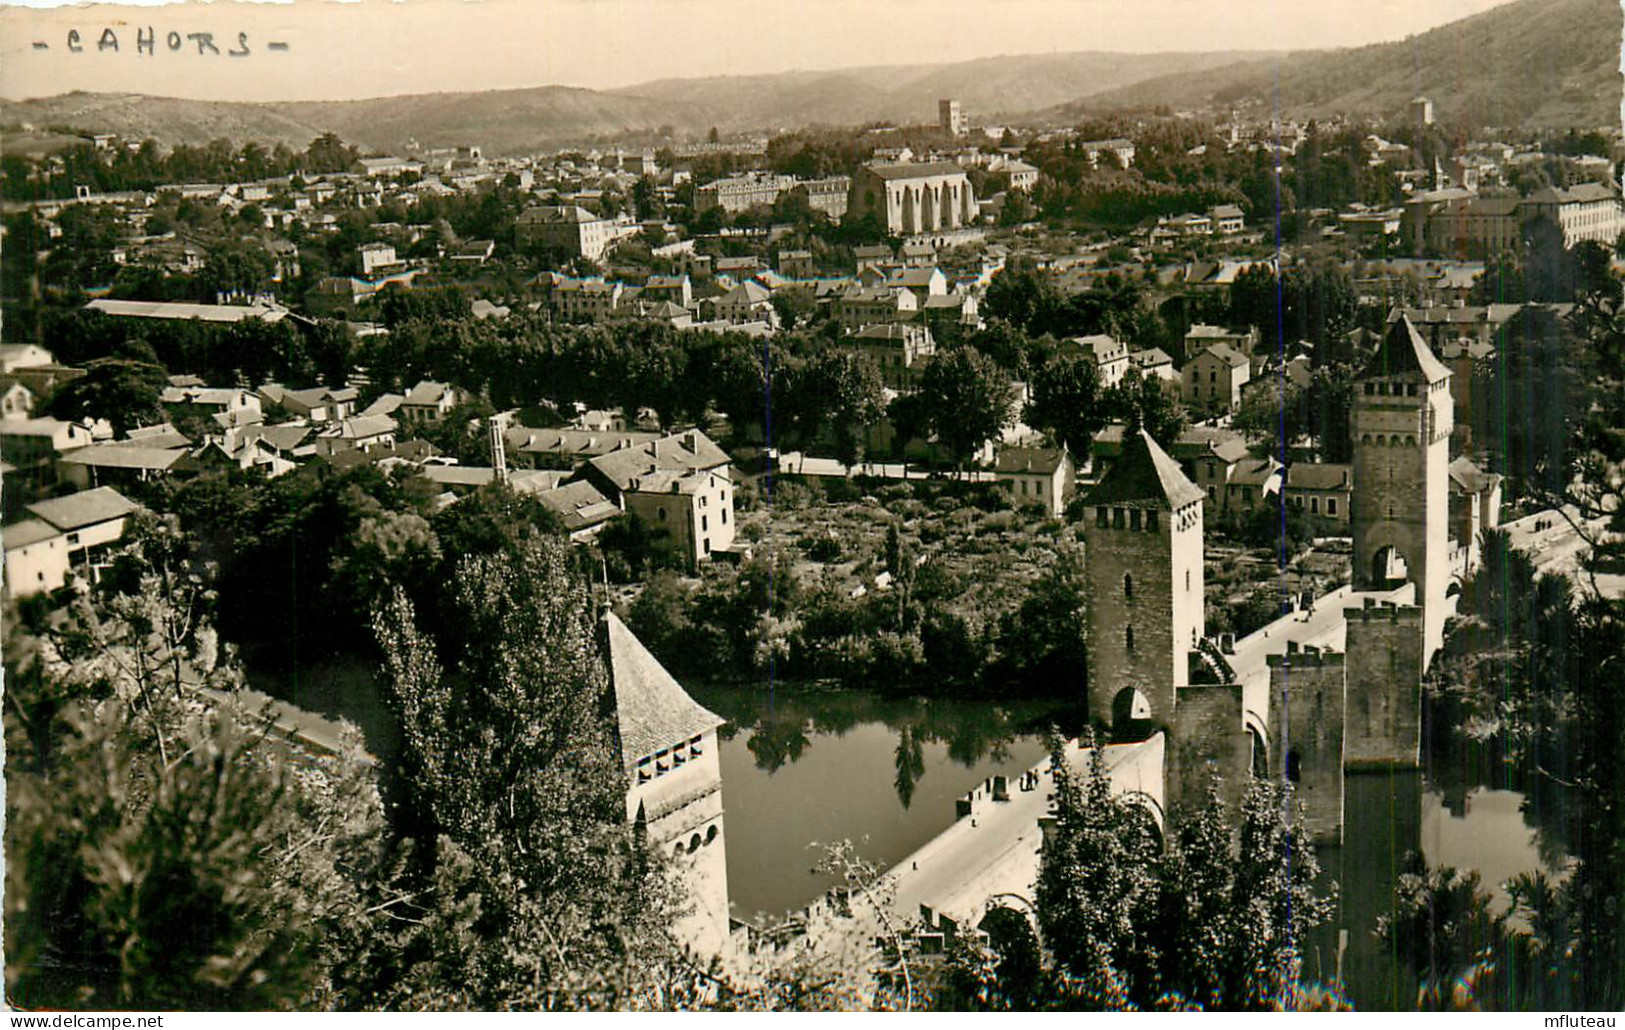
(349, 50)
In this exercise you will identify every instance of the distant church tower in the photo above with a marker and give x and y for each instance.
(1143, 538)
(1403, 414)
(668, 745)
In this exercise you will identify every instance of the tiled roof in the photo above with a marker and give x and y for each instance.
(1403, 351)
(1470, 477)
(652, 710)
(916, 171)
(125, 456)
(86, 508)
(687, 451)
(426, 392)
(1255, 472)
(1145, 476)
(28, 531)
(1310, 475)
(1040, 460)
(1225, 353)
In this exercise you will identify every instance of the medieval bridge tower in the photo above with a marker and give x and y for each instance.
(1400, 508)
(1143, 535)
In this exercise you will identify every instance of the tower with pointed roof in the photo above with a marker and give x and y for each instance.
(1143, 541)
(668, 747)
(1400, 505)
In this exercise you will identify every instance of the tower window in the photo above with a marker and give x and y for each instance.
(1187, 580)
(1128, 586)
(1100, 518)
(1128, 637)
(1151, 522)
(1134, 518)
(1117, 518)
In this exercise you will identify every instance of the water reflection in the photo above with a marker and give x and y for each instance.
(802, 768)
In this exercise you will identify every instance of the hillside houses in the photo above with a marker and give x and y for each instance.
(64, 537)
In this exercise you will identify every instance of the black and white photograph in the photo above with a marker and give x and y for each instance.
(929, 506)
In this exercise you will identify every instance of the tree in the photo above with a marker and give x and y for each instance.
(158, 878)
(162, 852)
(124, 392)
(854, 399)
(1024, 295)
(1094, 877)
(509, 760)
(1203, 923)
(1142, 401)
(967, 398)
(1067, 401)
(795, 306)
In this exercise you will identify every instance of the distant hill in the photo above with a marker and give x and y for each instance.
(1530, 62)
(1535, 63)
(500, 120)
(505, 121)
(989, 89)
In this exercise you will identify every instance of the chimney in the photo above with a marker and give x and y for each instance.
(499, 452)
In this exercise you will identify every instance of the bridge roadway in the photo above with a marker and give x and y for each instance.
(993, 850)
(1323, 624)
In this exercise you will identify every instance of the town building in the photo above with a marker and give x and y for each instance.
(738, 193)
(828, 195)
(950, 119)
(1107, 354)
(1475, 509)
(427, 403)
(900, 351)
(1119, 150)
(1319, 490)
(1588, 211)
(1041, 475)
(1214, 378)
(1252, 483)
(65, 535)
(913, 198)
(568, 229)
(680, 486)
(1200, 337)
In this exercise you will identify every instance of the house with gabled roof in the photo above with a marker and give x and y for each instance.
(1319, 489)
(1041, 475)
(71, 534)
(680, 486)
(1214, 378)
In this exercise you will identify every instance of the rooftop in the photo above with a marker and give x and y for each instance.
(1403, 352)
(1145, 476)
(652, 710)
(86, 508)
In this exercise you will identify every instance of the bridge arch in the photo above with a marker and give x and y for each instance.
(1131, 715)
(1258, 736)
(1388, 566)
(1010, 922)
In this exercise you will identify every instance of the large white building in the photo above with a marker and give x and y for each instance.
(913, 198)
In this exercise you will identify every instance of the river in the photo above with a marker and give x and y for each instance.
(800, 769)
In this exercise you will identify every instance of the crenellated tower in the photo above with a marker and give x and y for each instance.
(1402, 417)
(1143, 535)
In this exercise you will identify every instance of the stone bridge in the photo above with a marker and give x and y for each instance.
(989, 857)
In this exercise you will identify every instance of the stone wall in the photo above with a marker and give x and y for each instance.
(1207, 737)
(1307, 722)
(1384, 675)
